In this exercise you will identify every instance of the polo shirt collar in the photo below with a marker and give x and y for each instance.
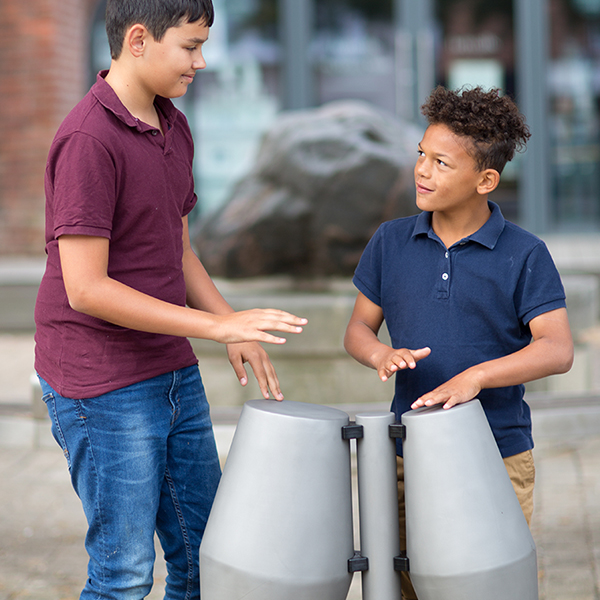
(487, 235)
(109, 99)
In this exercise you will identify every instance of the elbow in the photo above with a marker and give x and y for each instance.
(568, 364)
(565, 360)
(77, 303)
(80, 300)
(349, 342)
(346, 343)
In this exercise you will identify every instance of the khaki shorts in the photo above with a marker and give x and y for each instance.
(521, 471)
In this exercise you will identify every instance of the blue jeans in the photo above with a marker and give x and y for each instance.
(142, 459)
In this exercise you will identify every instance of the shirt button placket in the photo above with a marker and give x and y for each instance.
(443, 283)
(446, 274)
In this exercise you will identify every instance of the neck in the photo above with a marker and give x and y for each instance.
(455, 226)
(136, 99)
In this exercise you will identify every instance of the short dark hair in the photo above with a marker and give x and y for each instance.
(491, 121)
(156, 15)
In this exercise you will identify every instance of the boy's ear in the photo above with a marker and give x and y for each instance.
(490, 178)
(135, 40)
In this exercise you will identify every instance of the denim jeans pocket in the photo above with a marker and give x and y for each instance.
(50, 402)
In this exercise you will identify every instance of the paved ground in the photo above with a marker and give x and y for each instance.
(566, 523)
(42, 526)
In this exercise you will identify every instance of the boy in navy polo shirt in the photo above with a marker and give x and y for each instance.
(119, 377)
(474, 304)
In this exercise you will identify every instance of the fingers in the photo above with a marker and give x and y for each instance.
(400, 359)
(265, 374)
(267, 380)
(263, 369)
(238, 366)
(270, 319)
(463, 387)
(255, 325)
(432, 399)
(269, 338)
(421, 353)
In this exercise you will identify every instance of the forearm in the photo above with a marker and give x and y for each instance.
(362, 344)
(203, 294)
(84, 263)
(201, 291)
(550, 353)
(122, 305)
(539, 359)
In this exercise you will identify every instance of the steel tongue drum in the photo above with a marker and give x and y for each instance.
(281, 523)
(467, 538)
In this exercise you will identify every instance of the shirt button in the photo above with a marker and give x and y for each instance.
(445, 276)
(154, 132)
(447, 255)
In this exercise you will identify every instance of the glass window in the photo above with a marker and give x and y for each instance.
(574, 89)
(350, 54)
(477, 48)
(99, 51)
(353, 50)
(236, 97)
(234, 100)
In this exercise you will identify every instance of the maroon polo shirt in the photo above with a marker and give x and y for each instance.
(112, 176)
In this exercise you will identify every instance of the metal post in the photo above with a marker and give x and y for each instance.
(531, 26)
(295, 27)
(378, 506)
(415, 56)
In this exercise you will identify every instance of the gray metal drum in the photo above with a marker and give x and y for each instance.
(281, 523)
(467, 538)
(378, 506)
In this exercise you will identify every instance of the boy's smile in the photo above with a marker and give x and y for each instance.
(447, 178)
(172, 63)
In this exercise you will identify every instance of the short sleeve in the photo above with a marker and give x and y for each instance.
(540, 289)
(82, 178)
(191, 197)
(190, 202)
(367, 276)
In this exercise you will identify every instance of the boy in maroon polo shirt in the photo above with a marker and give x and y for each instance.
(122, 291)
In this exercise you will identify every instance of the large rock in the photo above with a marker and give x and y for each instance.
(323, 181)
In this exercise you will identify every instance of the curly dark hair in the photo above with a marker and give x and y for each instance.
(493, 123)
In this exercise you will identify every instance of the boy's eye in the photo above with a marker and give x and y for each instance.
(420, 153)
(441, 162)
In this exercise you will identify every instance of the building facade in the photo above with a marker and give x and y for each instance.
(43, 74)
(265, 56)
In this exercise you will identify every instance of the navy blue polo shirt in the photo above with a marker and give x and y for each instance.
(469, 303)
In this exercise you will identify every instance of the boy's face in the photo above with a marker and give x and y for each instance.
(446, 176)
(172, 63)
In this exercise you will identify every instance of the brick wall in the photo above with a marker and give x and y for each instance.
(43, 74)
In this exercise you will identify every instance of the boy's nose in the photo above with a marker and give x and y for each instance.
(199, 63)
(421, 168)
